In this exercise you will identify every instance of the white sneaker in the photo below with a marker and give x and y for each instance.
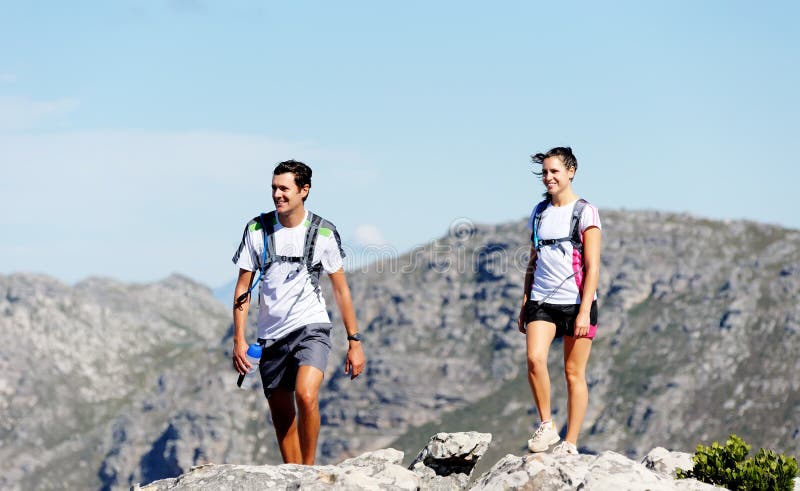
(565, 448)
(545, 436)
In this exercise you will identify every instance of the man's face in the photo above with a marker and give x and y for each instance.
(285, 193)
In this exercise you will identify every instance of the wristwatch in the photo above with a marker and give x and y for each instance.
(354, 337)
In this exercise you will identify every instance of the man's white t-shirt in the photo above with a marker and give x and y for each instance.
(558, 278)
(288, 300)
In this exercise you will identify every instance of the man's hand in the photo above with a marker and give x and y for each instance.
(240, 362)
(240, 309)
(354, 364)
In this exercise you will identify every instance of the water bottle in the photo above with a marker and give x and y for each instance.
(253, 356)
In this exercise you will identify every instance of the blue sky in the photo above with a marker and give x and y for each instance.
(138, 137)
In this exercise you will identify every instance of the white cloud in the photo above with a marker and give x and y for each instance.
(162, 201)
(20, 113)
(368, 235)
(7, 77)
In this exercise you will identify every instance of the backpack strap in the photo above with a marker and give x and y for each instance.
(269, 256)
(574, 228)
(268, 227)
(267, 221)
(308, 249)
(574, 225)
(537, 219)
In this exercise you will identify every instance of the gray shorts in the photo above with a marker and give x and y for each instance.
(280, 359)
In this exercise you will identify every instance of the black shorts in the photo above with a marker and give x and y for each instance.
(563, 316)
(280, 359)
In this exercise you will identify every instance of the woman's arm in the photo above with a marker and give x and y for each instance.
(591, 264)
(529, 271)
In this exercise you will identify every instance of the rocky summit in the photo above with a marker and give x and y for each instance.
(446, 464)
(105, 384)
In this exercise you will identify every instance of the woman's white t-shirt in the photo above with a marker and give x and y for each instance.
(558, 278)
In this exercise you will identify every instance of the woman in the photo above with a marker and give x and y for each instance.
(560, 294)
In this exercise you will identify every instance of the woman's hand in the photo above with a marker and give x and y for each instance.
(521, 320)
(581, 324)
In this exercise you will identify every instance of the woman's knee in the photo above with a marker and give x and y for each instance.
(574, 374)
(537, 361)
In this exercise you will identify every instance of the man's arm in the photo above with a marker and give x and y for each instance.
(355, 362)
(240, 309)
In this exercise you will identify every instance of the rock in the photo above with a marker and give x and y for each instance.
(449, 457)
(358, 476)
(533, 472)
(380, 469)
(452, 453)
(609, 470)
(666, 463)
(388, 455)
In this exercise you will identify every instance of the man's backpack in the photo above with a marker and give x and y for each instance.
(267, 221)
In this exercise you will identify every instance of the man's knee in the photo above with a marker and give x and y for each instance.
(307, 397)
(307, 385)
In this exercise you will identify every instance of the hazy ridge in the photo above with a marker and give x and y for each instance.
(105, 384)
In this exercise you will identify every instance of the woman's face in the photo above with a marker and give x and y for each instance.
(555, 175)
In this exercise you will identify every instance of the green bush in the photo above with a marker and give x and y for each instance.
(729, 466)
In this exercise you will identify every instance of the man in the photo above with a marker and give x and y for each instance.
(293, 323)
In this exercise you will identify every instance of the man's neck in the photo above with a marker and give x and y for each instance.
(293, 218)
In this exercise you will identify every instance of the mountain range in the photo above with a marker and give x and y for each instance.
(106, 384)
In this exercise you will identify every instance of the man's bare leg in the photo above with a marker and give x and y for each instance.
(307, 387)
(284, 419)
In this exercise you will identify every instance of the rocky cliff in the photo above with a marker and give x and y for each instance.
(107, 384)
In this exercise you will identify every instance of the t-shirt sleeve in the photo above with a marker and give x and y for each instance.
(590, 218)
(333, 254)
(246, 256)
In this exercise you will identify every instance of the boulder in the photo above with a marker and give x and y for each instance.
(666, 463)
(609, 470)
(452, 453)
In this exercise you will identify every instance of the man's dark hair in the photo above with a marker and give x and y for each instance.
(302, 172)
